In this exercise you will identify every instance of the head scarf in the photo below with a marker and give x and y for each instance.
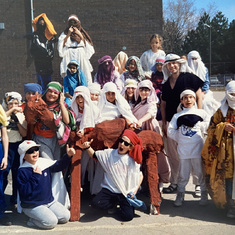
(120, 101)
(187, 92)
(120, 61)
(94, 88)
(9, 97)
(229, 100)
(105, 72)
(173, 57)
(49, 30)
(89, 111)
(160, 60)
(32, 87)
(197, 66)
(152, 94)
(136, 152)
(138, 73)
(78, 25)
(54, 86)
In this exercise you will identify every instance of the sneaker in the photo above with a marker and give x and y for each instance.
(30, 223)
(231, 213)
(179, 199)
(204, 199)
(171, 189)
(197, 191)
(6, 221)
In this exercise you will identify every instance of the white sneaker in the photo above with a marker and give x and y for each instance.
(179, 199)
(197, 191)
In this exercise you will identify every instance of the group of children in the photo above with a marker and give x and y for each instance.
(126, 87)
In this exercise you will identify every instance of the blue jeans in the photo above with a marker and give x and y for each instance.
(43, 81)
(48, 216)
(2, 198)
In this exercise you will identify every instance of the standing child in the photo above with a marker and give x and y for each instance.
(122, 177)
(16, 130)
(187, 128)
(4, 220)
(75, 77)
(218, 153)
(149, 57)
(34, 186)
(120, 61)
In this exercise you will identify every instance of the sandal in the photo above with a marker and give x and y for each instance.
(170, 189)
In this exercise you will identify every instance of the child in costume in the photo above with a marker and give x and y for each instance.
(187, 128)
(16, 130)
(35, 187)
(75, 77)
(122, 177)
(218, 153)
(149, 57)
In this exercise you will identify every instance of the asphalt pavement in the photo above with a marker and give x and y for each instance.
(188, 219)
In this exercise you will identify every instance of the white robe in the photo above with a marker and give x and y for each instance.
(82, 54)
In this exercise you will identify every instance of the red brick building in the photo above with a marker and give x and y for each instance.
(111, 24)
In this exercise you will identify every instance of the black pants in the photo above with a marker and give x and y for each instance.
(105, 200)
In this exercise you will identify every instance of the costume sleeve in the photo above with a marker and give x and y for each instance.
(61, 164)
(172, 129)
(62, 50)
(152, 109)
(206, 85)
(65, 85)
(143, 61)
(89, 50)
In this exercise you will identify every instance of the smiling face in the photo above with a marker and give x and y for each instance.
(94, 96)
(51, 96)
(32, 155)
(188, 101)
(124, 145)
(132, 66)
(80, 101)
(155, 44)
(144, 92)
(110, 97)
(173, 67)
(130, 92)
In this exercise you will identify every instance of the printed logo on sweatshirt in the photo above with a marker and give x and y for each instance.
(187, 131)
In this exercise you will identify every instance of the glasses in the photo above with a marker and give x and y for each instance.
(31, 150)
(125, 142)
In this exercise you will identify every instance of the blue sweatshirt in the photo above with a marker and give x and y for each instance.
(35, 189)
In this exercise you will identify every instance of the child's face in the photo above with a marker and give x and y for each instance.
(28, 95)
(132, 66)
(130, 91)
(94, 96)
(13, 103)
(80, 101)
(52, 96)
(124, 145)
(159, 67)
(32, 155)
(144, 92)
(155, 44)
(110, 97)
(73, 68)
(188, 101)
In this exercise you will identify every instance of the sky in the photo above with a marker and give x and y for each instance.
(227, 7)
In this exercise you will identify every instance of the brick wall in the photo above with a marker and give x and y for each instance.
(111, 24)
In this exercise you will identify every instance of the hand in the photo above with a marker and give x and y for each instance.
(61, 98)
(17, 109)
(87, 144)
(14, 118)
(70, 151)
(70, 30)
(229, 127)
(80, 133)
(3, 164)
(37, 170)
(139, 124)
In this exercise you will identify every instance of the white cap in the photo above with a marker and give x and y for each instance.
(24, 147)
(187, 92)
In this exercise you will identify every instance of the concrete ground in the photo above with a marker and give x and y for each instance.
(188, 219)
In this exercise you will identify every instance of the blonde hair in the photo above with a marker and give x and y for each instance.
(159, 37)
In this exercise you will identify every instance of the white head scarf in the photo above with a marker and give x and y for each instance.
(120, 101)
(173, 57)
(197, 66)
(94, 88)
(152, 94)
(129, 83)
(90, 111)
(229, 100)
(9, 97)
